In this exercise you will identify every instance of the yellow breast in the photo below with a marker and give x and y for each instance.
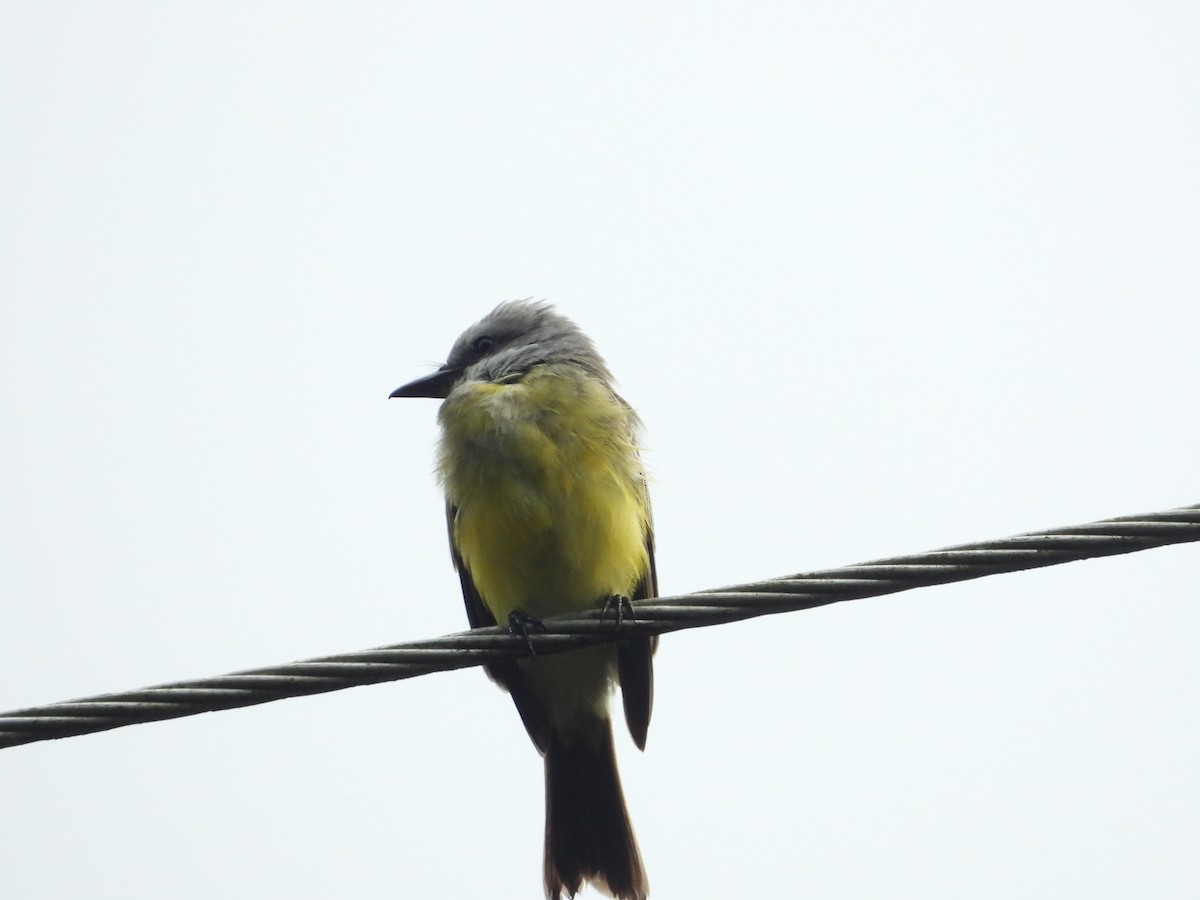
(545, 474)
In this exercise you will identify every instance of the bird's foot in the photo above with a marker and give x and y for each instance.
(619, 607)
(521, 624)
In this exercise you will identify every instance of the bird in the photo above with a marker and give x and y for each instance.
(548, 513)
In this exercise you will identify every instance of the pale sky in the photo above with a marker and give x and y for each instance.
(878, 277)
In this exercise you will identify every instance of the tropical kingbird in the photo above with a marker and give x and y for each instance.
(549, 514)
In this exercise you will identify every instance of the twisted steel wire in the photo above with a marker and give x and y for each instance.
(1110, 537)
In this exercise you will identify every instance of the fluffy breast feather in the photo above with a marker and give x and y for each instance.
(551, 497)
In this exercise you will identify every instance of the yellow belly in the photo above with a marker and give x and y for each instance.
(552, 513)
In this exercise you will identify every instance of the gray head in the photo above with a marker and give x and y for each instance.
(507, 343)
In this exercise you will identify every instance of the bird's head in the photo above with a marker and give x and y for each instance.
(507, 343)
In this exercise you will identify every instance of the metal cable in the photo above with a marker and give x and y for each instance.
(1110, 537)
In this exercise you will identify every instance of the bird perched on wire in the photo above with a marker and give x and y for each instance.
(549, 514)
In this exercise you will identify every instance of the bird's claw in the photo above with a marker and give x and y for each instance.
(521, 624)
(620, 607)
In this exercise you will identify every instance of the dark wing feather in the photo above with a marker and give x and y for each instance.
(506, 673)
(635, 659)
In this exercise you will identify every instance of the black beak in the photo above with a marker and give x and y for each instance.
(436, 384)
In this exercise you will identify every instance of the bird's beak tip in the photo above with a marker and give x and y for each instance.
(436, 384)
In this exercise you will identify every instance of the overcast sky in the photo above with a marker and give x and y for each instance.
(879, 278)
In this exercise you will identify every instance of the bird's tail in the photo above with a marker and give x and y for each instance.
(588, 835)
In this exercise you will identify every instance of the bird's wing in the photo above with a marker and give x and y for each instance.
(635, 658)
(505, 673)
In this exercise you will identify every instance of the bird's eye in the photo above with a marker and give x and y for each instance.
(483, 344)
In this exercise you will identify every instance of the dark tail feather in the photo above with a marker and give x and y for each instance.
(588, 835)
